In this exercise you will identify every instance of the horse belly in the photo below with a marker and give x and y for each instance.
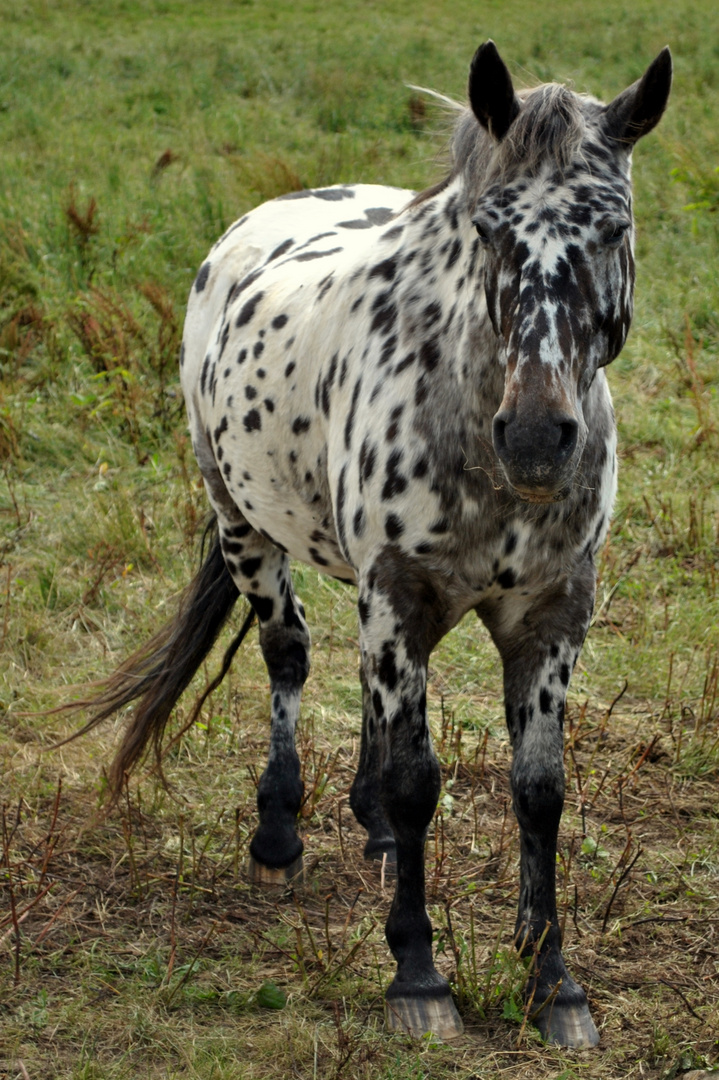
(286, 499)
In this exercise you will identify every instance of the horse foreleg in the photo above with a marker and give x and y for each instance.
(365, 790)
(395, 661)
(538, 659)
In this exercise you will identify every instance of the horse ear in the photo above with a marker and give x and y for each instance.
(639, 108)
(491, 93)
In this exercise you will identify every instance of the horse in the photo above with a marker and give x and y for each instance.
(407, 392)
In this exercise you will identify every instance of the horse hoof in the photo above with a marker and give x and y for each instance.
(418, 1016)
(265, 876)
(566, 1025)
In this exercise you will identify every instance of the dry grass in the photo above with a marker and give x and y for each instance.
(144, 918)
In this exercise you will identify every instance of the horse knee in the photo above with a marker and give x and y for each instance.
(409, 791)
(538, 797)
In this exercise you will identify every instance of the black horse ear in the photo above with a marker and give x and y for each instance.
(639, 108)
(491, 93)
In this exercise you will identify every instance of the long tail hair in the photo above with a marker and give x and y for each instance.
(161, 669)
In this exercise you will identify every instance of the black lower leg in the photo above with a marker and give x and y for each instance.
(538, 807)
(409, 796)
(365, 790)
(538, 651)
(279, 794)
(418, 999)
(557, 1003)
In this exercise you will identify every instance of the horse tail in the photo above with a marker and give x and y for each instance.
(161, 669)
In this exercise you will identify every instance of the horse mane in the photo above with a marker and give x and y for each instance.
(550, 126)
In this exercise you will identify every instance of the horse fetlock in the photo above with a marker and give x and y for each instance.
(409, 935)
(279, 797)
(280, 790)
(276, 844)
(419, 1000)
(549, 978)
(542, 939)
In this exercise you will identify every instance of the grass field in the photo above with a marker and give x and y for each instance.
(131, 135)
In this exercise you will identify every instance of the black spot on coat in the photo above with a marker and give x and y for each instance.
(253, 421)
(349, 423)
(393, 526)
(202, 275)
(358, 522)
(283, 247)
(507, 579)
(385, 269)
(248, 309)
(263, 605)
(249, 567)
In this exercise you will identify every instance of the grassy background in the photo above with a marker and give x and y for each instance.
(131, 135)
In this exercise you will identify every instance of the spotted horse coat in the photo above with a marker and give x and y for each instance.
(407, 392)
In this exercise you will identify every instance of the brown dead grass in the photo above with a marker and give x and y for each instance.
(102, 916)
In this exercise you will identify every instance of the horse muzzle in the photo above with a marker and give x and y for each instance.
(539, 453)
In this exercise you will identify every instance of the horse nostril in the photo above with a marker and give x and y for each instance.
(567, 437)
(499, 435)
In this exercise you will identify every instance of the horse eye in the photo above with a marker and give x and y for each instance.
(616, 233)
(482, 232)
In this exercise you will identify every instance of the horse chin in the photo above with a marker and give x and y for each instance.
(541, 487)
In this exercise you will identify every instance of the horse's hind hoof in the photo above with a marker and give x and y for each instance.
(265, 876)
(418, 1016)
(566, 1025)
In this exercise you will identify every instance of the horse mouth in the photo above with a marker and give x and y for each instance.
(540, 496)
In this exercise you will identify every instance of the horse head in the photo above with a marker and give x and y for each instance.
(554, 216)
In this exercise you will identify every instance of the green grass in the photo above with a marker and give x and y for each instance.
(131, 135)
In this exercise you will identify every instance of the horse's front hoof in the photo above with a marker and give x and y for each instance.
(418, 1016)
(265, 876)
(566, 1025)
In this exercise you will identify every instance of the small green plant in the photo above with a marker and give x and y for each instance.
(703, 186)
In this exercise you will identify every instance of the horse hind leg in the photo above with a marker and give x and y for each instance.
(365, 790)
(261, 573)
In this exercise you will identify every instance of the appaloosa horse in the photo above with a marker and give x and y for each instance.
(407, 392)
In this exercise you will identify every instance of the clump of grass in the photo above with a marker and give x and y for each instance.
(82, 223)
